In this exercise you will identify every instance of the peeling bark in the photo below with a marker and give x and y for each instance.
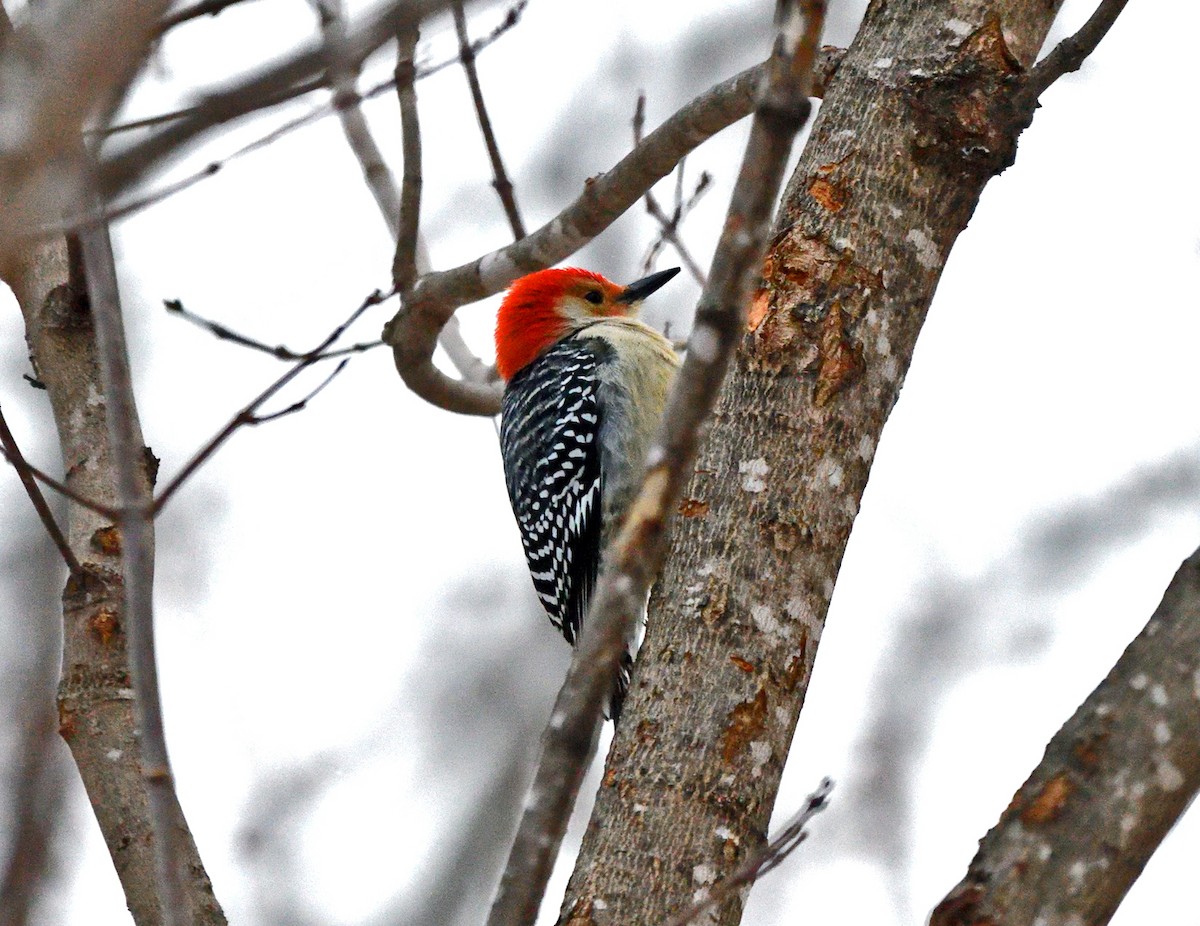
(920, 115)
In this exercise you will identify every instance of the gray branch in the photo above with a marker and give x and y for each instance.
(569, 742)
(96, 716)
(382, 184)
(413, 332)
(301, 73)
(404, 265)
(137, 548)
(1112, 783)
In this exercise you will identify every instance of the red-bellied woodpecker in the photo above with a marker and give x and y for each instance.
(586, 383)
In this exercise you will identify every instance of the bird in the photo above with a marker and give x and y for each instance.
(585, 386)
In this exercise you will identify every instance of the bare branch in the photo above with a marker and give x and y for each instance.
(404, 265)
(96, 716)
(137, 546)
(14, 456)
(767, 859)
(1071, 52)
(669, 225)
(174, 115)
(358, 135)
(382, 184)
(64, 490)
(350, 99)
(58, 70)
(302, 403)
(1112, 783)
(279, 351)
(248, 414)
(504, 187)
(176, 307)
(782, 107)
(298, 74)
(413, 331)
(195, 11)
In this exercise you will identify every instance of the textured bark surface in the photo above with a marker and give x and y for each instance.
(95, 696)
(917, 119)
(1112, 783)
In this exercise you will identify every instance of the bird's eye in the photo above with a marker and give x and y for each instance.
(595, 297)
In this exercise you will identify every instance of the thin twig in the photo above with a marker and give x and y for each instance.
(13, 454)
(278, 82)
(382, 184)
(332, 17)
(765, 860)
(195, 11)
(568, 743)
(279, 351)
(175, 115)
(1069, 54)
(339, 101)
(669, 225)
(299, 406)
(404, 265)
(503, 186)
(66, 491)
(137, 551)
(249, 412)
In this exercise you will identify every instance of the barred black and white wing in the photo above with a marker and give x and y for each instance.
(548, 439)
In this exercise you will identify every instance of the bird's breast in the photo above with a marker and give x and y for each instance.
(633, 392)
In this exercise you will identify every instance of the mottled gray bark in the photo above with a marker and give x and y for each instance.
(920, 115)
(95, 697)
(1113, 782)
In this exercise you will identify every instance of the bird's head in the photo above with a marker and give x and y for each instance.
(544, 307)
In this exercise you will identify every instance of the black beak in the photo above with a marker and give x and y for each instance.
(639, 290)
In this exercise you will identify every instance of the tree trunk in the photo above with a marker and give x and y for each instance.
(922, 113)
(96, 708)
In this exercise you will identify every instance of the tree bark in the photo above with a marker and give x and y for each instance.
(1113, 782)
(95, 695)
(921, 114)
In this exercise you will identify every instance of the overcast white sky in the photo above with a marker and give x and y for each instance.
(326, 576)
